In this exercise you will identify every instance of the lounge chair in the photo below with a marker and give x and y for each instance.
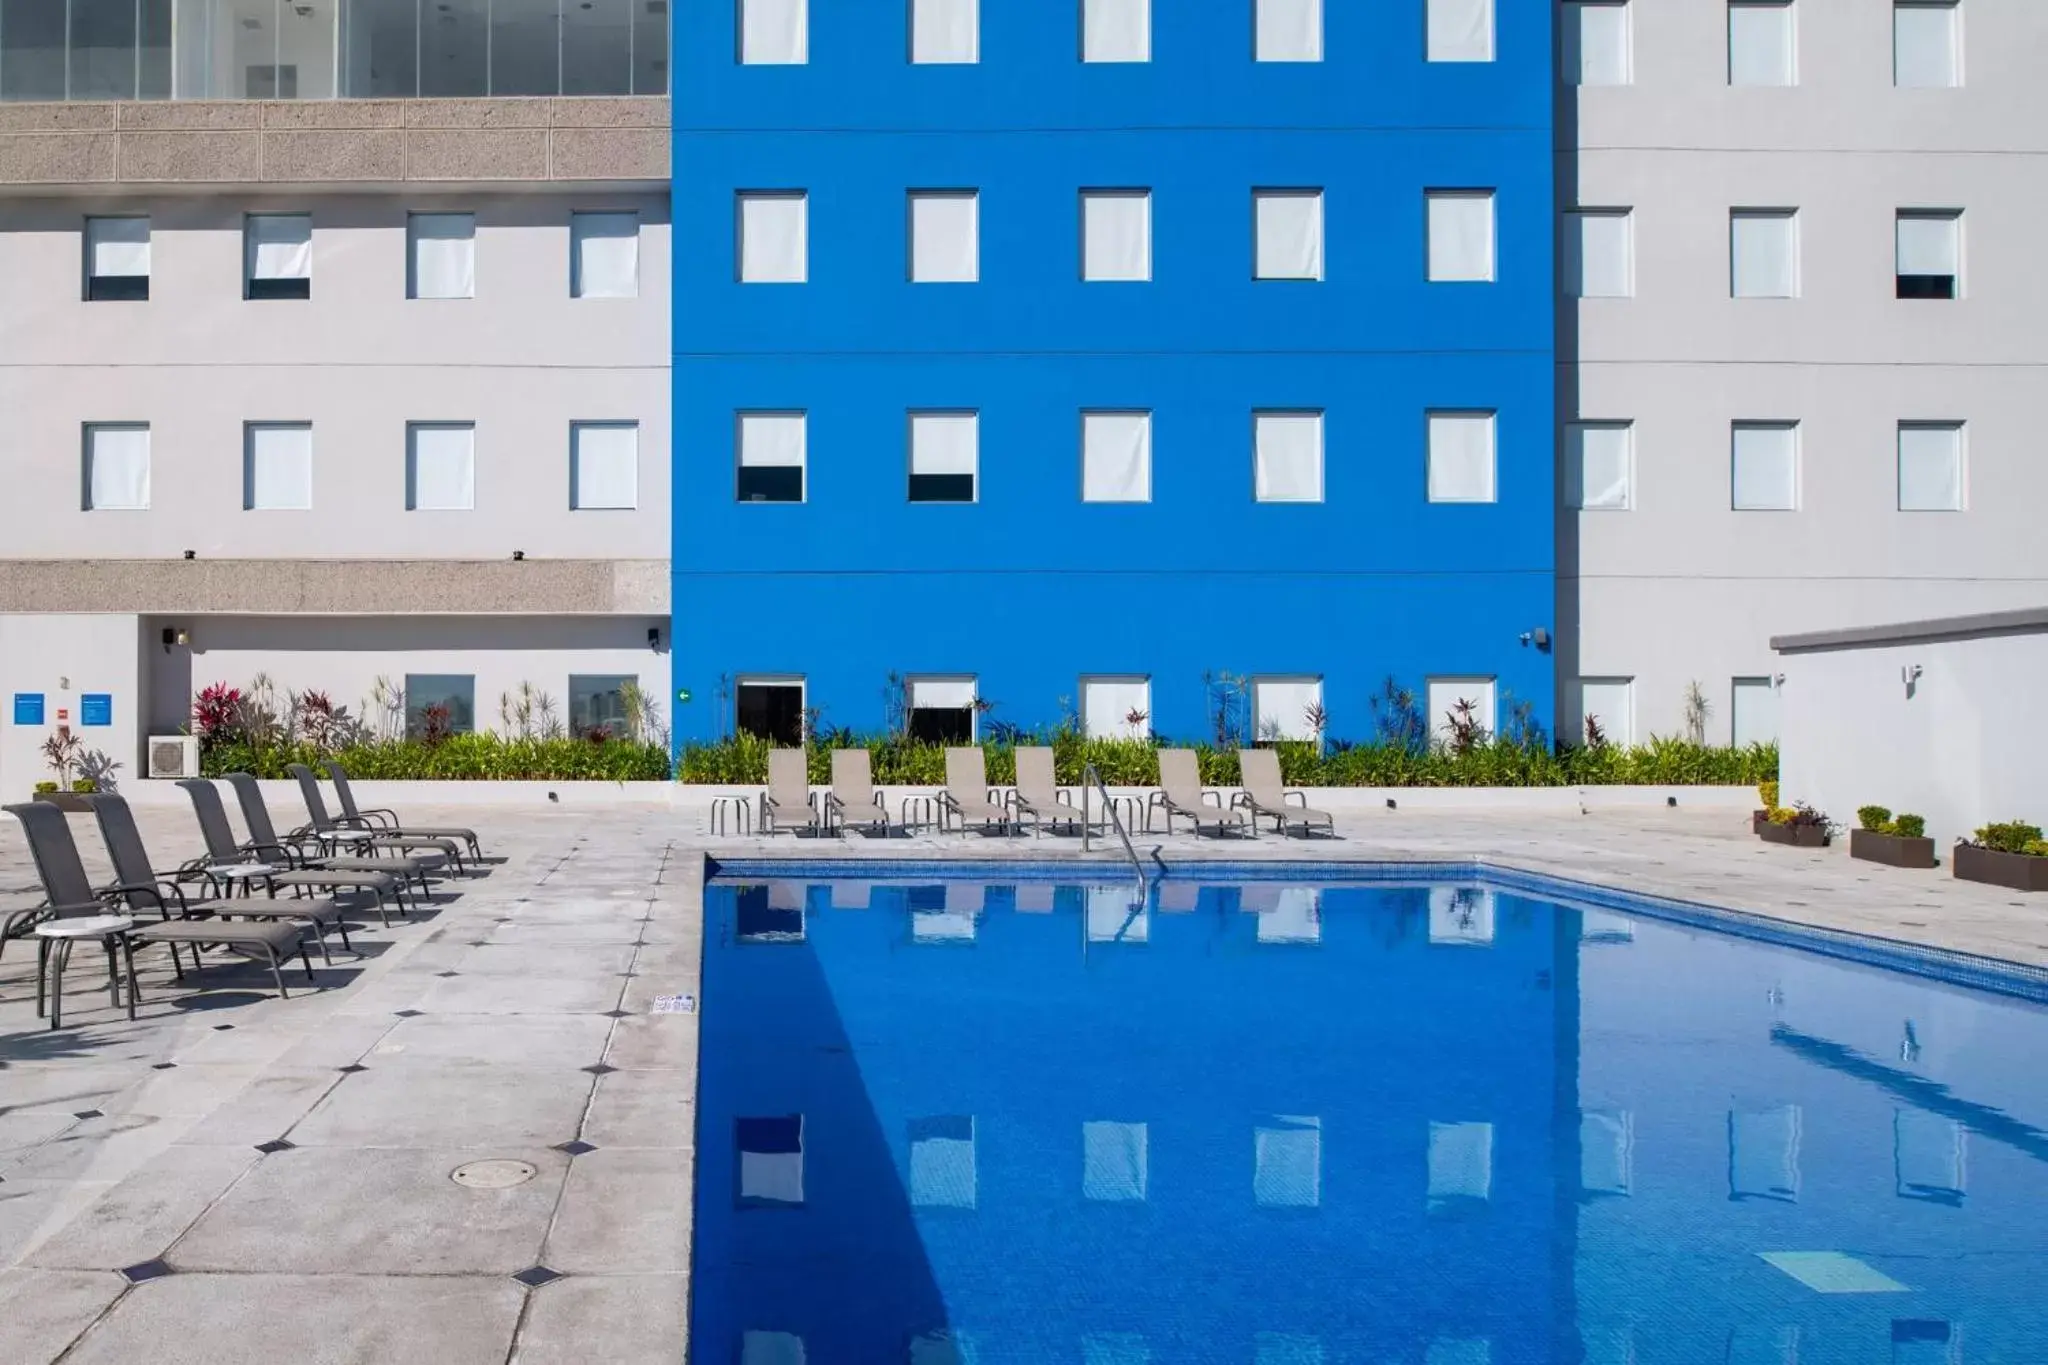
(304, 852)
(385, 821)
(787, 804)
(853, 798)
(136, 880)
(1264, 794)
(966, 795)
(1180, 794)
(228, 864)
(333, 834)
(1038, 795)
(69, 891)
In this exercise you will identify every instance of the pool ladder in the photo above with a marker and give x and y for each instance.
(1090, 778)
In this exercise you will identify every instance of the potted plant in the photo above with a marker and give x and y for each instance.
(62, 751)
(1896, 841)
(1769, 792)
(2011, 854)
(1802, 826)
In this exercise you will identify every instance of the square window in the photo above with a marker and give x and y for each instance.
(1926, 46)
(1287, 456)
(1928, 1160)
(1599, 253)
(1597, 43)
(1607, 711)
(774, 32)
(1115, 916)
(1607, 1140)
(1114, 1162)
(1754, 712)
(1763, 1153)
(117, 467)
(1287, 231)
(1460, 234)
(1763, 254)
(604, 466)
(604, 255)
(771, 1348)
(772, 454)
(1460, 30)
(770, 709)
(1116, 30)
(771, 914)
(1116, 457)
(944, 456)
(1286, 708)
(1286, 914)
(1930, 254)
(117, 260)
(1288, 31)
(1461, 457)
(1600, 466)
(774, 245)
(440, 466)
(277, 256)
(1930, 466)
(1287, 1162)
(1460, 1163)
(442, 256)
(942, 1162)
(1116, 707)
(597, 702)
(945, 236)
(1455, 702)
(771, 1161)
(1116, 234)
(1766, 467)
(440, 702)
(277, 466)
(945, 32)
(1762, 43)
(1461, 916)
(942, 709)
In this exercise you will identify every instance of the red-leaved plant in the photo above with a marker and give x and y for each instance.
(214, 714)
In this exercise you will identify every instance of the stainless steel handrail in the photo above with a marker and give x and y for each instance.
(1092, 778)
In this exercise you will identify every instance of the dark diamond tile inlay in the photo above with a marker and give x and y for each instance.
(617, 1014)
(600, 1069)
(445, 975)
(534, 1276)
(164, 1066)
(145, 1270)
(575, 1148)
(86, 1114)
(277, 1145)
(352, 1068)
(407, 1014)
(222, 1028)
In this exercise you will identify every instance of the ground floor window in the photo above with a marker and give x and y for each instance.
(942, 710)
(771, 709)
(439, 703)
(597, 702)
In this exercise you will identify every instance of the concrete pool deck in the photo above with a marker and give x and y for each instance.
(515, 1019)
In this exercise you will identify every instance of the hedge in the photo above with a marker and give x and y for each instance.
(477, 757)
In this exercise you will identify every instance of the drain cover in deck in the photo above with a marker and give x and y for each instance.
(493, 1174)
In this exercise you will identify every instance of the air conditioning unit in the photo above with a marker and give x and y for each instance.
(174, 755)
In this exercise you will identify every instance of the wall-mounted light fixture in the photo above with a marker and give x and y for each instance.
(1910, 676)
(1538, 637)
(518, 555)
(191, 554)
(176, 635)
(654, 637)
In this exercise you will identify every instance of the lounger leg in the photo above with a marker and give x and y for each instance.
(304, 960)
(276, 972)
(42, 976)
(57, 958)
(342, 924)
(113, 973)
(134, 987)
(320, 937)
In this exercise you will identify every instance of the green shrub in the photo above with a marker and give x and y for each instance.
(476, 757)
(2013, 836)
(1875, 819)
(1910, 826)
(42, 787)
(1769, 792)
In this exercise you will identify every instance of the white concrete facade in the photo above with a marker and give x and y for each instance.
(1680, 586)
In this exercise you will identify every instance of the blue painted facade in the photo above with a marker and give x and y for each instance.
(1029, 588)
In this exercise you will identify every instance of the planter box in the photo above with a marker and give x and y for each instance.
(2020, 871)
(1757, 820)
(74, 802)
(1890, 849)
(1799, 836)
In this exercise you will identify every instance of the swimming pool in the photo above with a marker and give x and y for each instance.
(1300, 1116)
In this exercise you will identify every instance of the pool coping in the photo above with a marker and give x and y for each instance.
(1945, 965)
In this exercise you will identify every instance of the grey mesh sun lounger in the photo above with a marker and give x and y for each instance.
(966, 795)
(227, 862)
(1264, 794)
(1180, 794)
(306, 852)
(1038, 795)
(335, 835)
(853, 799)
(386, 822)
(786, 804)
(70, 892)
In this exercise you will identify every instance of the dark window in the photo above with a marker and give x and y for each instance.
(942, 488)
(103, 48)
(771, 483)
(116, 259)
(281, 289)
(942, 724)
(1927, 286)
(453, 693)
(598, 702)
(117, 288)
(32, 54)
(757, 919)
(772, 711)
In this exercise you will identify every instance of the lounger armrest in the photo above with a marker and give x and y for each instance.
(154, 891)
(1299, 798)
(1213, 797)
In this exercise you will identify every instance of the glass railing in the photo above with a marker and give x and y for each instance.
(329, 49)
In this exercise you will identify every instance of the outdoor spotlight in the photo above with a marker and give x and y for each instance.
(191, 554)
(518, 554)
(170, 638)
(654, 637)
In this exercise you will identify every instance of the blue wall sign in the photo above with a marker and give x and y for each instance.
(96, 708)
(28, 708)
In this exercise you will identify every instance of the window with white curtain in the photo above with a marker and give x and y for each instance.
(440, 466)
(1116, 456)
(1460, 30)
(772, 455)
(277, 256)
(771, 1158)
(442, 257)
(1287, 31)
(1113, 1162)
(1763, 253)
(1754, 712)
(774, 237)
(1600, 466)
(1460, 1163)
(942, 709)
(117, 467)
(1607, 708)
(1930, 254)
(1461, 916)
(1597, 43)
(1287, 456)
(604, 466)
(945, 236)
(277, 466)
(1448, 696)
(1287, 1162)
(945, 455)
(945, 32)
(1287, 228)
(1116, 234)
(1762, 43)
(1599, 253)
(1930, 466)
(1607, 1142)
(942, 1161)
(1116, 707)
(1116, 30)
(604, 255)
(775, 32)
(1926, 44)
(1765, 474)
(117, 260)
(1460, 235)
(1286, 707)
(1928, 1152)
(1461, 457)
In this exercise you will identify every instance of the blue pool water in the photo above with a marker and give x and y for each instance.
(948, 1118)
